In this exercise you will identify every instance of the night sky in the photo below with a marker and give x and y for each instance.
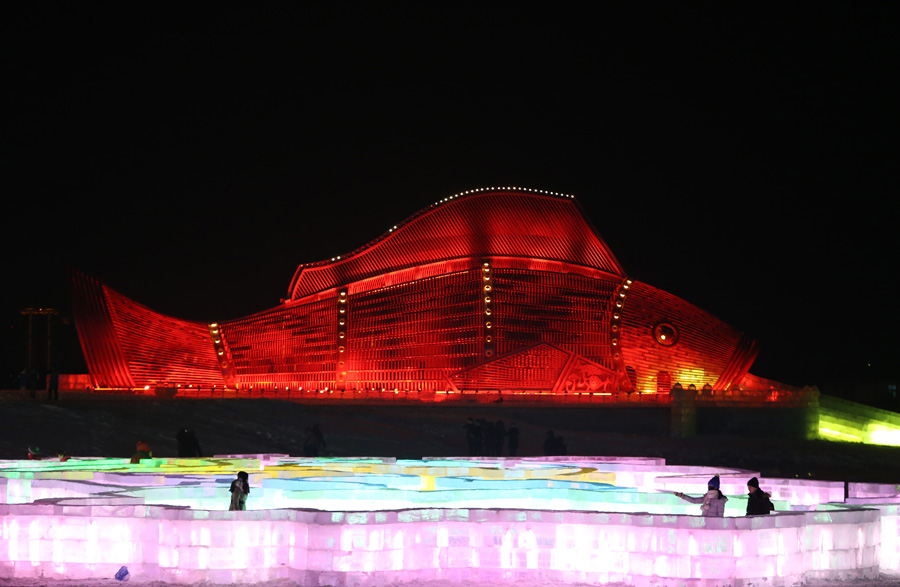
(742, 157)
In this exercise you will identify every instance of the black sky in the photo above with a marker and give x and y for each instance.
(741, 157)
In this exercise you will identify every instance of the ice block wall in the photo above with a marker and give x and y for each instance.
(847, 421)
(371, 521)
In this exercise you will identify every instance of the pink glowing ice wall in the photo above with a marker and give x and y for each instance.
(371, 521)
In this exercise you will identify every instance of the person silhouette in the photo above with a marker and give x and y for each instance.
(142, 452)
(549, 444)
(513, 435)
(53, 384)
(240, 490)
(188, 445)
(712, 503)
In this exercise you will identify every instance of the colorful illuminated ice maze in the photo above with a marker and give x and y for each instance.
(374, 521)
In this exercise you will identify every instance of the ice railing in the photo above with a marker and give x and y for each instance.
(372, 520)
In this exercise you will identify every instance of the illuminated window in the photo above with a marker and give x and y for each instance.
(665, 334)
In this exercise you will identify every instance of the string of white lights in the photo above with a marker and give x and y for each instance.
(438, 203)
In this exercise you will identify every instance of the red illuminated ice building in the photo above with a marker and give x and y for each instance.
(498, 290)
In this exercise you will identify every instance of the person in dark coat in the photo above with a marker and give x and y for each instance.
(487, 438)
(313, 440)
(310, 447)
(513, 434)
(53, 385)
(758, 502)
(499, 435)
(473, 437)
(32, 382)
(549, 444)
(188, 445)
(560, 449)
